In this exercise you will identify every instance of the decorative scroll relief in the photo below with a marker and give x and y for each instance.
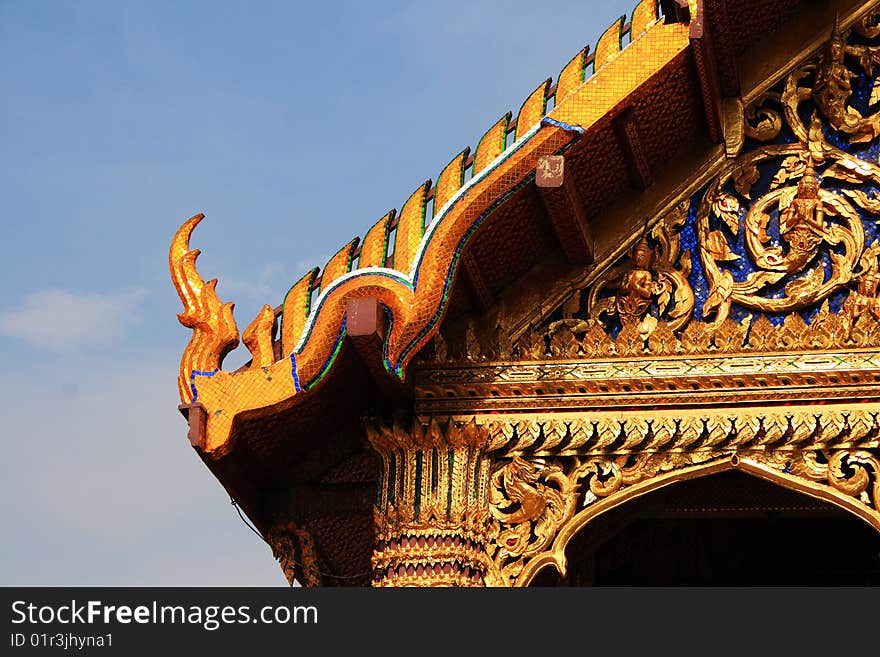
(804, 239)
(555, 472)
(603, 432)
(528, 516)
(806, 220)
(530, 499)
(651, 280)
(535, 521)
(832, 89)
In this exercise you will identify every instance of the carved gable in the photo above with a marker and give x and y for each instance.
(776, 252)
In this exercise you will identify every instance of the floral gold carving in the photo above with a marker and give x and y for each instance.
(847, 478)
(634, 384)
(598, 432)
(651, 278)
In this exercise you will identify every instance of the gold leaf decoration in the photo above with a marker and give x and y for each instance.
(792, 167)
(757, 280)
(762, 123)
(720, 294)
(807, 284)
(849, 169)
(868, 26)
(744, 177)
(869, 259)
(870, 203)
(875, 93)
(716, 245)
(726, 208)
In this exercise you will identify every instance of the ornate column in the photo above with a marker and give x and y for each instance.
(432, 509)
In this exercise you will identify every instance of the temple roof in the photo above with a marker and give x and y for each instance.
(639, 118)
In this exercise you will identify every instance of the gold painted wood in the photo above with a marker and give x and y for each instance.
(450, 180)
(841, 477)
(532, 109)
(294, 548)
(491, 144)
(647, 431)
(295, 310)
(374, 248)
(410, 228)
(432, 512)
(572, 76)
(339, 264)
(674, 398)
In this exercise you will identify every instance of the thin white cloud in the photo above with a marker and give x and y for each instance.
(260, 289)
(270, 285)
(61, 319)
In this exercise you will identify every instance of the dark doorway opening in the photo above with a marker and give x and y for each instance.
(729, 529)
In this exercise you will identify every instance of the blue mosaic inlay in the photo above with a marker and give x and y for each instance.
(192, 381)
(293, 372)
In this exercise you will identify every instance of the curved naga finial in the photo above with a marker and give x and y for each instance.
(214, 330)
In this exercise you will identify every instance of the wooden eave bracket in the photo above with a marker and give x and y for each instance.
(197, 417)
(733, 127)
(627, 133)
(565, 209)
(477, 282)
(707, 65)
(366, 326)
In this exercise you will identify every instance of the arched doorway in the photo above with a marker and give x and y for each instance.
(726, 529)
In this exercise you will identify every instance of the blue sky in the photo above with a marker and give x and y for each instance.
(293, 127)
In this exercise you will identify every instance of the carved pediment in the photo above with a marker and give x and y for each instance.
(777, 251)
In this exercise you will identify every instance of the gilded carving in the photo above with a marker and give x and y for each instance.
(831, 90)
(761, 122)
(845, 477)
(583, 488)
(741, 330)
(432, 511)
(855, 473)
(808, 218)
(530, 499)
(786, 427)
(651, 279)
(294, 549)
